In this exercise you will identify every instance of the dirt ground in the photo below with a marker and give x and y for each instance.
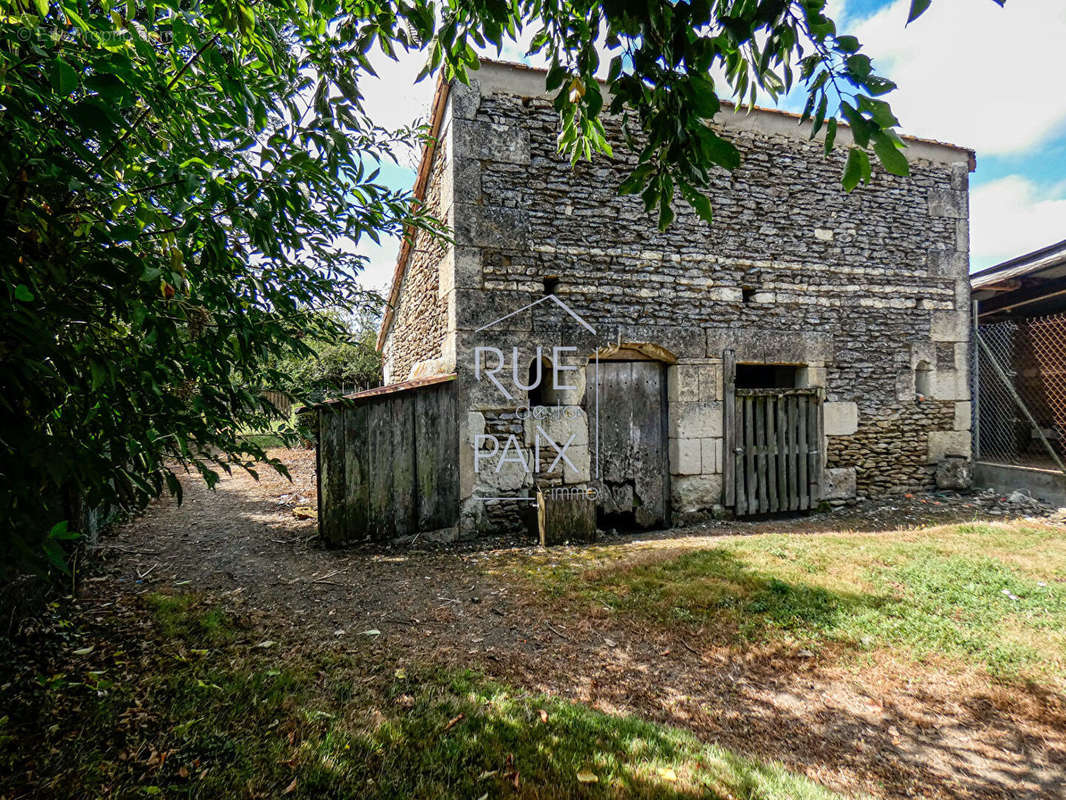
(888, 732)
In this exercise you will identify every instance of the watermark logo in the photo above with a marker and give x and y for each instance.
(553, 428)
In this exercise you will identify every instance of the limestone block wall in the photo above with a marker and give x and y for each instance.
(694, 394)
(510, 443)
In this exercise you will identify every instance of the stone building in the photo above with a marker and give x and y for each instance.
(650, 342)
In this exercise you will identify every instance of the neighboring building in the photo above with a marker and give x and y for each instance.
(1021, 413)
(808, 346)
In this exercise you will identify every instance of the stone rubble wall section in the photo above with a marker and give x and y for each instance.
(416, 339)
(860, 289)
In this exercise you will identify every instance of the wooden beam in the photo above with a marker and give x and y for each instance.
(1024, 297)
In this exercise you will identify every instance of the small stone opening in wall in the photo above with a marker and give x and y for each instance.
(551, 283)
(747, 294)
(923, 380)
(527, 102)
(542, 392)
(767, 376)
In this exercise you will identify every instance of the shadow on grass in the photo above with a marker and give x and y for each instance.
(470, 736)
(902, 737)
(740, 603)
(160, 717)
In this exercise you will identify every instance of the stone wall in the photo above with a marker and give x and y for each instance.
(860, 290)
(415, 340)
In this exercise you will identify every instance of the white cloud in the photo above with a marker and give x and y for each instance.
(381, 261)
(394, 100)
(1012, 216)
(971, 72)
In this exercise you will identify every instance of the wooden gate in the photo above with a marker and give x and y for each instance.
(634, 473)
(773, 449)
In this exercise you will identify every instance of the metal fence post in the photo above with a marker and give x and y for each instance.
(975, 388)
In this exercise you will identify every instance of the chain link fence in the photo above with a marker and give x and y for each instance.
(1021, 371)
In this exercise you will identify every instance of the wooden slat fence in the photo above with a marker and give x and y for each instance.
(388, 463)
(281, 401)
(777, 460)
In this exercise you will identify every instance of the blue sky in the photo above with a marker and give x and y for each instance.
(969, 72)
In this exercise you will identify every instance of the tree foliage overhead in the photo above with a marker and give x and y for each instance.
(178, 179)
(668, 66)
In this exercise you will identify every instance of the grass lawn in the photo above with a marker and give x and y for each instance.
(178, 699)
(173, 695)
(991, 596)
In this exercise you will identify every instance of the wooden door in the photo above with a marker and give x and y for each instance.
(634, 487)
(774, 440)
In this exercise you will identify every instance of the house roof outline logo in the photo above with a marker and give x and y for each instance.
(528, 306)
(595, 360)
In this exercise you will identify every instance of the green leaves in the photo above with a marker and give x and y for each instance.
(61, 532)
(637, 179)
(860, 127)
(880, 111)
(888, 153)
(830, 135)
(670, 63)
(699, 202)
(175, 216)
(918, 7)
(64, 78)
(717, 150)
(856, 169)
(871, 123)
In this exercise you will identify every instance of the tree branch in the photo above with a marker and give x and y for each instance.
(148, 108)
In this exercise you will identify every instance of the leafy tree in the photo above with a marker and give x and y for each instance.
(335, 367)
(176, 177)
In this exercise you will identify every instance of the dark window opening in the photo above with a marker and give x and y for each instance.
(747, 294)
(550, 285)
(617, 520)
(543, 394)
(767, 376)
(923, 379)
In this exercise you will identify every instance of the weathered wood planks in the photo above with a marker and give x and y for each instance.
(776, 463)
(387, 464)
(331, 475)
(633, 442)
(568, 518)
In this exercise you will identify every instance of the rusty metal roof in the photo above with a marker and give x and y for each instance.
(382, 391)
